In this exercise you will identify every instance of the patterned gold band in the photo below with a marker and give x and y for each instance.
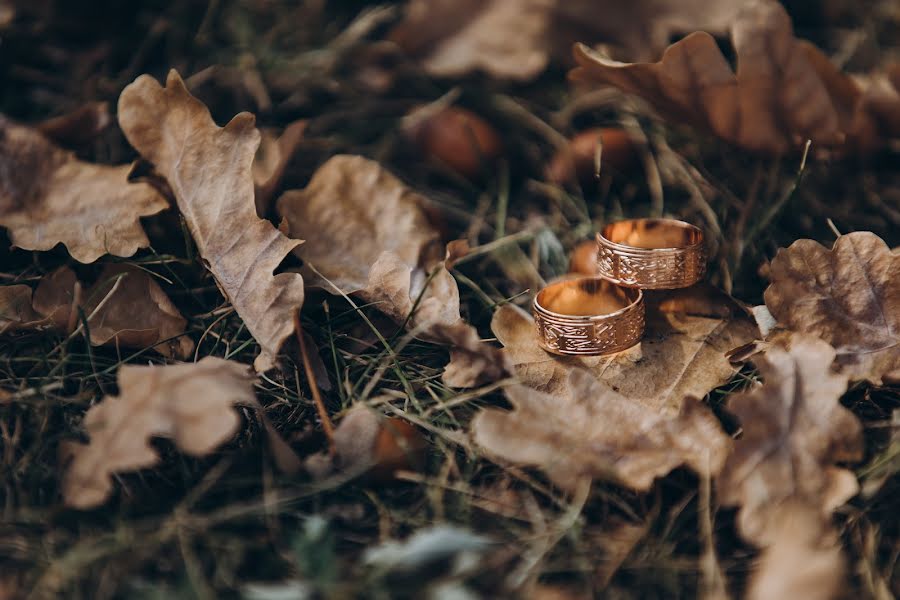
(651, 253)
(588, 316)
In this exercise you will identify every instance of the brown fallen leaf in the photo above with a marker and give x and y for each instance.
(271, 160)
(193, 404)
(804, 559)
(591, 430)
(794, 432)
(209, 171)
(848, 296)
(16, 312)
(368, 234)
(682, 353)
(125, 307)
(784, 92)
(135, 312)
(516, 39)
(47, 197)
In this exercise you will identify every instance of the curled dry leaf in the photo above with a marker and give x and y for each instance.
(193, 404)
(209, 171)
(125, 307)
(784, 92)
(366, 233)
(804, 559)
(516, 39)
(794, 432)
(848, 296)
(682, 353)
(591, 430)
(47, 197)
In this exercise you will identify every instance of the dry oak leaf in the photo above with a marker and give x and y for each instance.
(193, 404)
(681, 354)
(125, 307)
(804, 559)
(794, 432)
(209, 170)
(785, 90)
(591, 430)
(848, 296)
(367, 233)
(516, 39)
(47, 197)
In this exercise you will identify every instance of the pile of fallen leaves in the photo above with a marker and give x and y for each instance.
(304, 340)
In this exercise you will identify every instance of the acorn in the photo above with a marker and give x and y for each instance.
(584, 258)
(455, 137)
(398, 446)
(618, 155)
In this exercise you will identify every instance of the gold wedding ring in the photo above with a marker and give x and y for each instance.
(588, 316)
(651, 253)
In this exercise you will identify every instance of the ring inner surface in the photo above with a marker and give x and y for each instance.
(585, 297)
(652, 234)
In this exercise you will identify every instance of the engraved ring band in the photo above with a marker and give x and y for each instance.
(651, 254)
(588, 316)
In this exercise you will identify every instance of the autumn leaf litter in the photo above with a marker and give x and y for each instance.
(301, 361)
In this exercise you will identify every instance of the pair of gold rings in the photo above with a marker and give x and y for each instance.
(605, 313)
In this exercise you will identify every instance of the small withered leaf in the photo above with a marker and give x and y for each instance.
(848, 296)
(47, 197)
(16, 312)
(209, 171)
(784, 91)
(124, 307)
(794, 433)
(193, 404)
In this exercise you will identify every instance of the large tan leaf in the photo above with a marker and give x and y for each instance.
(784, 91)
(47, 197)
(516, 39)
(190, 403)
(849, 296)
(794, 431)
(682, 353)
(591, 430)
(209, 171)
(368, 234)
